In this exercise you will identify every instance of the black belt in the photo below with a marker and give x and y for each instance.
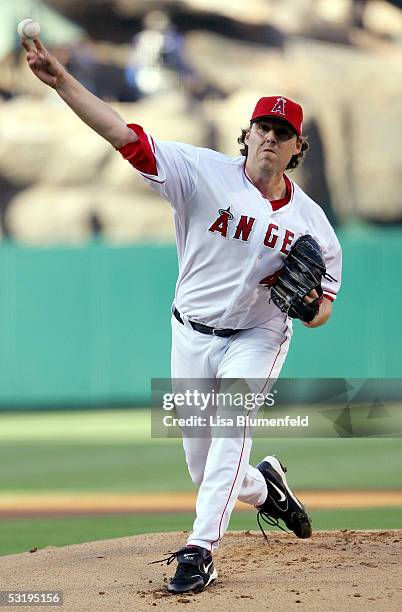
(204, 329)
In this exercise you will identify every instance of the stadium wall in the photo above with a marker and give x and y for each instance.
(89, 326)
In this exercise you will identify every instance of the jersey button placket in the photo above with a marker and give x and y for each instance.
(244, 284)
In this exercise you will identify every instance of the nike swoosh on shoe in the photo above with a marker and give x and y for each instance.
(282, 496)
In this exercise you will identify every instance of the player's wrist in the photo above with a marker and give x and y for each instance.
(309, 323)
(62, 80)
(322, 315)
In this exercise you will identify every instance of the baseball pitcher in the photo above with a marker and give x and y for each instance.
(255, 252)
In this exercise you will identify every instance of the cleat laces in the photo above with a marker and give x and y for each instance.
(168, 560)
(269, 520)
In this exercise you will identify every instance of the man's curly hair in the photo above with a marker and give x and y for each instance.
(295, 160)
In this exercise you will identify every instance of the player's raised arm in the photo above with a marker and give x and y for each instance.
(94, 112)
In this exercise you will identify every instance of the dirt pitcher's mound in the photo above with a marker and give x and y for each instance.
(334, 570)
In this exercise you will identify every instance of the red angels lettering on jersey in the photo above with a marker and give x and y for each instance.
(287, 241)
(221, 223)
(244, 227)
(218, 282)
(271, 238)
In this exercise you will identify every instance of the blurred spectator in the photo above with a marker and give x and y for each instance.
(82, 64)
(105, 80)
(157, 57)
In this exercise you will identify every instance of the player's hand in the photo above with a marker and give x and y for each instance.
(42, 63)
(310, 297)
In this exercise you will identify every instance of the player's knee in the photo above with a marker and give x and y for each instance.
(196, 472)
(197, 479)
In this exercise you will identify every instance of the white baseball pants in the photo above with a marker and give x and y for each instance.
(220, 465)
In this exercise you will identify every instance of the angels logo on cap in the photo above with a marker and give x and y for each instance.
(279, 106)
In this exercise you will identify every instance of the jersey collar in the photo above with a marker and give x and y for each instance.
(275, 204)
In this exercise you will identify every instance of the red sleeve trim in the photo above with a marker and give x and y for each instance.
(329, 297)
(139, 153)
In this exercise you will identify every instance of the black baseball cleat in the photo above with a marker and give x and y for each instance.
(281, 503)
(195, 570)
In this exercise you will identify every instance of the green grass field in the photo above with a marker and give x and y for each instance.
(111, 451)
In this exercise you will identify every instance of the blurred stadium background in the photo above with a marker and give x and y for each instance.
(88, 261)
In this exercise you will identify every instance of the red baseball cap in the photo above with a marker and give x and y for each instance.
(281, 108)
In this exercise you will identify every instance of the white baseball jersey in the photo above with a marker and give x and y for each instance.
(229, 236)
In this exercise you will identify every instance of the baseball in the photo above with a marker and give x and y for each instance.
(28, 28)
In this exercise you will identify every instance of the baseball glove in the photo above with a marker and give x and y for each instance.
(303, 271)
